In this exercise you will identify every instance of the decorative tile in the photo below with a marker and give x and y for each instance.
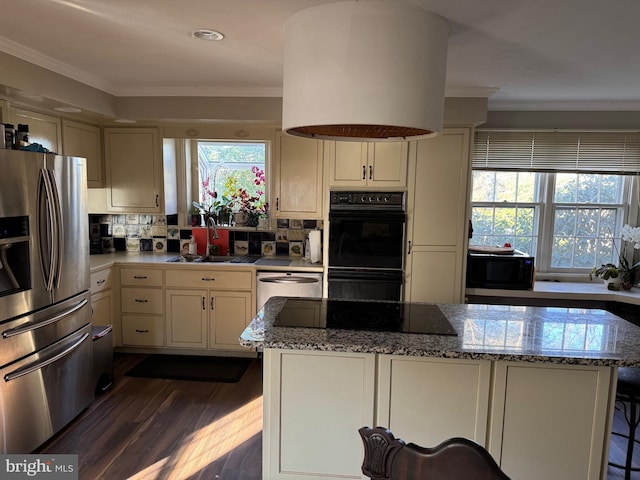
(132, 219)
(241, 247)
(146, 244)
(268, 236)
(173, 245)
(145, 231)
(268, 248)
(172, 219)
(122, 219)
(295, 249)
(145, 219)
(119, 230)
(159, 230)
(107, 245)
(132, 230)
(184, 247)
(133, 244)
(120, 244)
(282, 248)
(309, 224)
(185, 233)
(282, 223)
(105, 230)
(173, 232)
(282, 235)
(295, 223)
(159, 220)
(295, 235)
(159, 245)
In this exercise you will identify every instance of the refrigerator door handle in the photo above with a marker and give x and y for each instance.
(51, 240)
(12, 332)
(47, 361)
(58, 237)
(45, 229)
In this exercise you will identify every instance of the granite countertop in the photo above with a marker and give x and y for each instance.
(99, 262)
(491, 332)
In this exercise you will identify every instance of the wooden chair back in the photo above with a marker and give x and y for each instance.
(390, 458)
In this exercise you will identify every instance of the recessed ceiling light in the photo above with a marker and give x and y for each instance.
(124, 120)
(67, 109)
(207, 34)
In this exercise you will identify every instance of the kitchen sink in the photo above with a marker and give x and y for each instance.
(215, 259)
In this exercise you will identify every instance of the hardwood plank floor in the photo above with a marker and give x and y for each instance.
(168, 429)
(618, 448)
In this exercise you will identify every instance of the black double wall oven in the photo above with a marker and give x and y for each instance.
(366, 245)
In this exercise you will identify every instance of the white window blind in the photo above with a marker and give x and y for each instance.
(560, 151)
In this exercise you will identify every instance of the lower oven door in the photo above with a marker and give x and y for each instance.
(365, 284)
(44, 391)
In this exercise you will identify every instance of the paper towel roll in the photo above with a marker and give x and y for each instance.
(315, 246)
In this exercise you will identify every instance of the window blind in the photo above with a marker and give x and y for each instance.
(561, 151)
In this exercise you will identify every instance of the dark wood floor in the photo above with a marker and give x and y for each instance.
(167, 429)
(618, 448)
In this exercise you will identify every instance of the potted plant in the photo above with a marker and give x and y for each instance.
(612, 275)
(195, 212)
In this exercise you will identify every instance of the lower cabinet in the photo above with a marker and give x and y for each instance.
(551, 421)
(208, 309)
(538, 420)
(315, 402)
(142, 307)
(410, 389)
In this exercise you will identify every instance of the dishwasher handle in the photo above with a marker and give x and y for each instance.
(288, 280)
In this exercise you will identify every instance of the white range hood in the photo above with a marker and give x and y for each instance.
(363, 70)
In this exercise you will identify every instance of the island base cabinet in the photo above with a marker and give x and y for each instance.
(551, 421)
(315, 402)
(411, 389)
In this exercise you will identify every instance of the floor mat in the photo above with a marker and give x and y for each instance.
(191, 367)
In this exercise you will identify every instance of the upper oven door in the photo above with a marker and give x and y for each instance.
(362, 238)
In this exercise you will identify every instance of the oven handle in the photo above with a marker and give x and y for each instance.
(37, 366)
(288, 280)
(378, 215)
(12, 332)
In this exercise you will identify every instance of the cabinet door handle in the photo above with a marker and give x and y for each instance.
(142, 331)
(370, 172)
(203, 307)
(208, 279)
(212, 303)
(140, 277)
(157, 204)
(100, 282)
(364, 172)
(141, 300)
(409, 249)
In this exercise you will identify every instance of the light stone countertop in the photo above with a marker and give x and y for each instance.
(99, 262)
(491, 332)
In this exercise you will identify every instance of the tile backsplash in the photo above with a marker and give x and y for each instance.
(161, 234)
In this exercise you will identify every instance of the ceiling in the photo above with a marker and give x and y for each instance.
(522, 54)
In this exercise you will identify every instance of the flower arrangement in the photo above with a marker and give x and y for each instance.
(625, 270)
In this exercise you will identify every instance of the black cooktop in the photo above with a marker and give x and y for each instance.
(364, 315)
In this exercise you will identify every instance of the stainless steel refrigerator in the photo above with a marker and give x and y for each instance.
(46, 369)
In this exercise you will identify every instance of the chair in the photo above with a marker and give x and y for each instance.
(628, 396)
(389, 458)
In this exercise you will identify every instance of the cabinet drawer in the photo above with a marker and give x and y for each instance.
(139, 330)
(101, 280)
(139, 276)
(217, 279)
(142, 300)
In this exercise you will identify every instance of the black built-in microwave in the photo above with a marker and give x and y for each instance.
(509, 272)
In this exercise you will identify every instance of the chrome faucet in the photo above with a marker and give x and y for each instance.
(211, 223)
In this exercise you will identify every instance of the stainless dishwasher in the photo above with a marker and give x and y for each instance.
(287, 284)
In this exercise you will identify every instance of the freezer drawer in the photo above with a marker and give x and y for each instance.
(43, 392)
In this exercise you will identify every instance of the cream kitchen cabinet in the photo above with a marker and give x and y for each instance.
(315, 402)
(457, 389)
(208, 308)
(437, 209)
(297, 178)
(134, 170)
(361, 164)
(558, 413)
(142, 307)
(82, 140)
(102, 301)
(43, 129)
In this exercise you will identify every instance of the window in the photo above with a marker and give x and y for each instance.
(231, 171)
(559, 198)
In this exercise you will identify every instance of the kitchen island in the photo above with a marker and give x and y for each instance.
(535, 385)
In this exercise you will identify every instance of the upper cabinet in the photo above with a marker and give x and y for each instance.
(133, 160)
(297, 175)
(362, 164)
(82, 140)
(43, 129)
(437, 217)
